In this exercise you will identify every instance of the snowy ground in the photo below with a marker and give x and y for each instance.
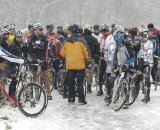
(93, 116)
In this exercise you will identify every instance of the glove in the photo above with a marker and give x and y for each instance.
(88, 64)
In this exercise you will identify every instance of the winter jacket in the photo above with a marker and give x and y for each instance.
(99, 37)
(109, 51)
(75, 52)
(146, 51)
(93, 45)
(54, 48)
(18, 48)
(37, 46)
(3, 43)
(124, 54)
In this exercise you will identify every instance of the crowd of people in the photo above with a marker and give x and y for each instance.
(81, 49)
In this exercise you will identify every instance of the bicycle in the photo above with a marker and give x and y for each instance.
(120, 91)
(133, 92)
(157, 76)
(145, 83)
(25, 97)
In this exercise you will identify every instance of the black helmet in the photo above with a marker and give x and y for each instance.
(150, 25)
(49, 26)
(74, 28)
(96, 27)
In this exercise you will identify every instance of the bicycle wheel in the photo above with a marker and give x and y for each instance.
(61, 82)
(2, 98)
(156, 82)
(147, 90)
(132, 92)
(96, 77)
(52, 79)
(28, 105)
(120, 95)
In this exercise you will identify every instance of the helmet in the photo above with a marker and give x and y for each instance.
(59, 27)
(30, 25)
(143, 30)
(37, 25)
(87, 26)
(19, 34)
(49, 26)
(4, 31)
(66, 27)
(96, 27)
(133, 31)
(104, 27)
(150, 25)
(5, 25)
(74, 28)
(11, 26)
(119, 28)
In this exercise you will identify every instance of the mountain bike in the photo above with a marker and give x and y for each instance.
(25, 96)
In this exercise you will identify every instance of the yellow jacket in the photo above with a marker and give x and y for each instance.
(75, 52)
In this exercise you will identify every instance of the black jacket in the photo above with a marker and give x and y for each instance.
(93, 45)
(37, 51)
(3, 43)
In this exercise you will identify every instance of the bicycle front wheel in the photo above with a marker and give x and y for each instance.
(29, 104)
(132, 92)
(120, 95)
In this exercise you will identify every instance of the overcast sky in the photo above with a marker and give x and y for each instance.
(61, 12)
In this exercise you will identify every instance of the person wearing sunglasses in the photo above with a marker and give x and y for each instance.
(37, 45)
(12, 32)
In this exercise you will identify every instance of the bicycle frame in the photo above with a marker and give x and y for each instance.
(20, 79)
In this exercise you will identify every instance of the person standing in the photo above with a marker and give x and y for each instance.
(76, 53)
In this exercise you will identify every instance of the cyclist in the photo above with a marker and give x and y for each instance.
(124, 53)
(94, 48)
(146, 51)
(4, 38)
(37, 44)
(12, 32)
(30, 31)
(16, 49)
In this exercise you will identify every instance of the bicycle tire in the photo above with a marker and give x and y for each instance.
(2, 98)
(132, 92)
(120, 88)
(20, 105)
(60, 82)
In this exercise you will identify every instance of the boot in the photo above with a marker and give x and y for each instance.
(89, 88)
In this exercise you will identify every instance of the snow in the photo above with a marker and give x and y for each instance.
(93, 116)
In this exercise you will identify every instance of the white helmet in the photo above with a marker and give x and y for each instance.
(4, 31)
(11, 26)
(143, 30)
(37, 25)
(118, 28)
(87, 26)
(19, 34)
